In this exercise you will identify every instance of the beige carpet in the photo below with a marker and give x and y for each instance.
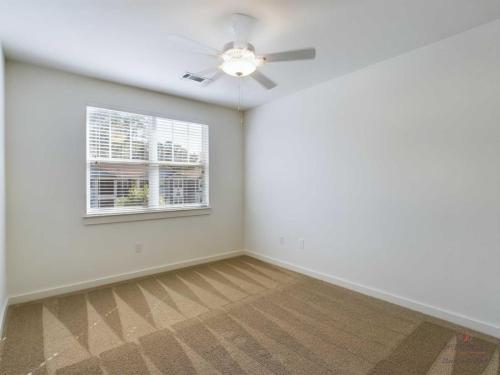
(238, 316)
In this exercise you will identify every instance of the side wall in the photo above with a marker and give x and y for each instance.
(3, 270)
(391, 176)
(49, 246)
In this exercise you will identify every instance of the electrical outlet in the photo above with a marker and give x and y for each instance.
(138, 247)
(282, 240)
(301, 243)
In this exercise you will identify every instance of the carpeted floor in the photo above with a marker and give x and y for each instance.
(238, 316)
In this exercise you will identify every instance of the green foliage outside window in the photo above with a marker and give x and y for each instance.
(137, 196)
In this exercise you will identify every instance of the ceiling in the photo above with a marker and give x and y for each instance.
(127, 40)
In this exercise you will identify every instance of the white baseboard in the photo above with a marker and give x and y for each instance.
(44, 293)
(453, 317)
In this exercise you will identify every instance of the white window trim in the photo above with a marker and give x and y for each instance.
(122, 217)
(149, 214)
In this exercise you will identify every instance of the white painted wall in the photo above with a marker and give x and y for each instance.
(3, 271)
(48, 245)
(391, 175)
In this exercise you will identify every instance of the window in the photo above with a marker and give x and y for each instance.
(139, 163)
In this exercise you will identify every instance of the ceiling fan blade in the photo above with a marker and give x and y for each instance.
(263, 80)
(207, 72)
(300, 54)
(211, 74)
(216, 76)
(189, 45)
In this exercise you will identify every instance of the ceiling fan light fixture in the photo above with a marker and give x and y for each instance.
(239, 62)
(238, 59)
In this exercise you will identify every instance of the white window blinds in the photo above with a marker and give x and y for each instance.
(144, 163)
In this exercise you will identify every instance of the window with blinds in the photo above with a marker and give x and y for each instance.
(139, 163)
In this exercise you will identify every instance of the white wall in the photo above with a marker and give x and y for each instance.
(3, 271)
(391, 175)
(48, 245)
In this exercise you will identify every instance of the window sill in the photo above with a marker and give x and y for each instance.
(139, 216)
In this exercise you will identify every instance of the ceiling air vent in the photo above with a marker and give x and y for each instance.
(198, 79)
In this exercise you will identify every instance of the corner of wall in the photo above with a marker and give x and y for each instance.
(3, 271)
(487, 328)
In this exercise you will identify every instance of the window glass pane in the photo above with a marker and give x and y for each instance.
(120, 137)
(182, 185)
(180, 139)
(144, 162)
(164, 138)
(139, 137)
(106, 186)
(98, 133)
(106, 203)
(118, 185)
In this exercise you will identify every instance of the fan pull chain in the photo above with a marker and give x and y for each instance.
(239, 94)
(239, 101)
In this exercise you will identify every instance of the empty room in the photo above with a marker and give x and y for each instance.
(250, 187)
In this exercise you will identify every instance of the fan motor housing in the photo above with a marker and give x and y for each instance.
(235, 45)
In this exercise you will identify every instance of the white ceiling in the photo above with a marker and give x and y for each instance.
(127, 40)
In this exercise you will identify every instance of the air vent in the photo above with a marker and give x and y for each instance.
(198, 79)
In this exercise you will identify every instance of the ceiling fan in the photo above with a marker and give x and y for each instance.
(238, 58)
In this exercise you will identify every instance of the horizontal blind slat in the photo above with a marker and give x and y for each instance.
(144, 162)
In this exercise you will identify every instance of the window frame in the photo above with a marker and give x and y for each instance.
(124, 215)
